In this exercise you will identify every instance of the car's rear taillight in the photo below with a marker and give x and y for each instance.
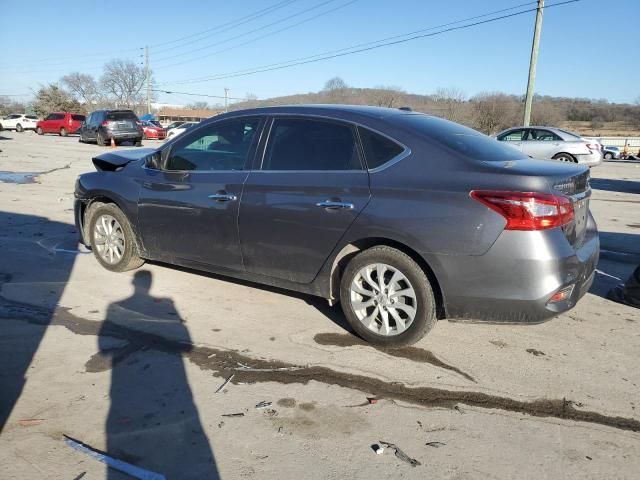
(528, 210)
(594, 146)
(106, 123)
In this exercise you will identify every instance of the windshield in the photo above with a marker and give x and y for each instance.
(121, 116)
(464, 140)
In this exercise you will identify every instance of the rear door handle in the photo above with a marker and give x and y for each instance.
(223, 197)
(331, 205)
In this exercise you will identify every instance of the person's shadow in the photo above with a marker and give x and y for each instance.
(153, 422)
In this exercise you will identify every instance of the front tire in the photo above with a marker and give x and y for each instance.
(112, 239)
(387, 298)
(608, 156)
(19, 128)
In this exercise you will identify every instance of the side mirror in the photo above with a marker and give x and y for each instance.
(153, 161)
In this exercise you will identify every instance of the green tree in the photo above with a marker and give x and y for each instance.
(52, 98)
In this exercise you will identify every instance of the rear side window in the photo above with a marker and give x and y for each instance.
(378, 150)
(304, 144)
(79, 118)
(31, 117)
(121, 116)
(55, 116)
(466, 141)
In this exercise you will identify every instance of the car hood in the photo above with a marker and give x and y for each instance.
(112, 161)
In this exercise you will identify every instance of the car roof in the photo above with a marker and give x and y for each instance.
(331, 110)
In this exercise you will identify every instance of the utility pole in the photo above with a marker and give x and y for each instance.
(146, 68)
(226, 93)
(532, 64)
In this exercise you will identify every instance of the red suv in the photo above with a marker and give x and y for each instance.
(62, 123)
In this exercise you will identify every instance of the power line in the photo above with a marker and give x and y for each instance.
(170, 92)
(255, 39)
(249, 32)
(319, 57)
(231, 24)
(60, 61)
(352, 47)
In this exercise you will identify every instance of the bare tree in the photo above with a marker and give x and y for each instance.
(8, 106)
(83, 87)
(123, 81)
(494, 111)
(387, 96)
(198, 106)
(451, 103)
(335, 83)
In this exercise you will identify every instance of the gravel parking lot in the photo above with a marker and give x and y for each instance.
(131, 364)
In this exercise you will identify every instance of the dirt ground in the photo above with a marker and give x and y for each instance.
(132, 364)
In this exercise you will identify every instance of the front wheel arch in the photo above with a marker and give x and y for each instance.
(94, 203)
(353, 248)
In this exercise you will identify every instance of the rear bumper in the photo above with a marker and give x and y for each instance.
(590, 160)
(514, 280)
(124, 135)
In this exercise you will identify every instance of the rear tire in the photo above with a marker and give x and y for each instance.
(565, 157)
(112, 239)
(19, 128)
(138, 143)
(39, 131)
(376, 308)
(63, 132)
(100, 139)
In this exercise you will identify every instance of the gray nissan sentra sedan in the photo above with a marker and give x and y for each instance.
(403, 218)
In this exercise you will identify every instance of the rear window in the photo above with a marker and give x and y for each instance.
(378, 150)
(463, 140)
(121, 116)
(79, 118)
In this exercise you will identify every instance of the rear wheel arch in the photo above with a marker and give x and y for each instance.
(353, 248)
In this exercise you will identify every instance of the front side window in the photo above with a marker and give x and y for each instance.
(513, 136)
(378, 149)
(540, 135)
(220, 146)
(309, 144)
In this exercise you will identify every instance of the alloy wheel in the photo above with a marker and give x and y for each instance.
(383, 299)
(108, 239)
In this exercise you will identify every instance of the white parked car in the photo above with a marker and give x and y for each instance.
(174, 132)
(19, 122)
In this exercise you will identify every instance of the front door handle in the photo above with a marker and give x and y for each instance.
(223, 197)
(331, 205)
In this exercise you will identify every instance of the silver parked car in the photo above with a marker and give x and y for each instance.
(553, 143)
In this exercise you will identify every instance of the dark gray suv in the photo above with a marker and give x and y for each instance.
(102, 126)
(401, 217)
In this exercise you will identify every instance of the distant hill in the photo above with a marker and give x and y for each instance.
(489, 112)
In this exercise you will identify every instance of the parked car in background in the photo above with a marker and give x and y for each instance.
(553, 143)
(174, 132)
(18, 122)
(62, 123)
(120, 125)
(610, 152)
(153, 131)
(402, 217)
(173, 125)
